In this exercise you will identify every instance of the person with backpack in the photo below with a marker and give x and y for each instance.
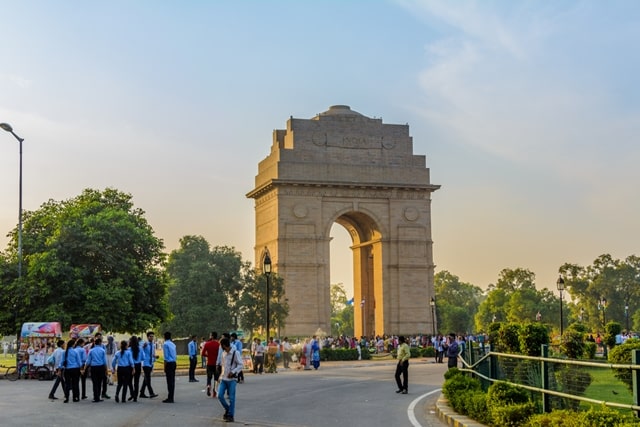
(231, 363)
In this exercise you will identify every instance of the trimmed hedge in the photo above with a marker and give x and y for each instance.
(342, 354)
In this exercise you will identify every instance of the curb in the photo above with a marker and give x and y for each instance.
(452, 418)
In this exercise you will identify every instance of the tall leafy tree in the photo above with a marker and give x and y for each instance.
(616, 281)
(456, 303)
(515, 298)
(204, 287)
(252, 303)
(93, 258)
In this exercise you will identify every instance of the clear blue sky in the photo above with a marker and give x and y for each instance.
(528, 113)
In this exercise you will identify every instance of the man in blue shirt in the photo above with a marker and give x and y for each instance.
(148, 359)
(97, 362)
(170, 357)
(193, 359)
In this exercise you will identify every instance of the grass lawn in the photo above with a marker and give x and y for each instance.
(605, 386)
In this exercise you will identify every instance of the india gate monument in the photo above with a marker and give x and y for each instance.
(343, 167)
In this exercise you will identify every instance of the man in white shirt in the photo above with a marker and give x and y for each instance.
(231, 362)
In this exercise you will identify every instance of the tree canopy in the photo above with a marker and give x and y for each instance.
(90, 259)
(205, 285)
(456, 303)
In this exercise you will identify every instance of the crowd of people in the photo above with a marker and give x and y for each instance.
(77, 359)
(130, 363)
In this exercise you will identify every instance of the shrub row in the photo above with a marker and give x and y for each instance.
(505, 405)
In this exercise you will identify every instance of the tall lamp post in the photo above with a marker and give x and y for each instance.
(364, 318)
(602, 305)
(560, 284)
(626, 315)
(432, 303)
(266, 268)
(7, 127)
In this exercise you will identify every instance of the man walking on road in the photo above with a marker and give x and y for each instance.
(231, 362)
(170, 357)
(210, 352)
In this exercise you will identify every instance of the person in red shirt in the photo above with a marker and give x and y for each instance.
(210, 351)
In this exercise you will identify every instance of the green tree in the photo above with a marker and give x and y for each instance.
(456, 303)
(341, 311)
(515, 298)
(93, 258)
(616, 281)
(252, 303)
(204, 285)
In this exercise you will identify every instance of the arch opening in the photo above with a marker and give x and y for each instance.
(365, 244)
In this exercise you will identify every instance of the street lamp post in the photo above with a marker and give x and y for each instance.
(364, 318)
(7, 127)
(626, 315)
(432, 303)
(602, 304)
(266, 268)
(560, 284)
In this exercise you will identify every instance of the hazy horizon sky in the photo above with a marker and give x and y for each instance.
(527, 113)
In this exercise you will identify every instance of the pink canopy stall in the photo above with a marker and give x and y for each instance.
(84, 330)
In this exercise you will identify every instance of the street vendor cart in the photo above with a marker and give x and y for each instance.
(37, 342)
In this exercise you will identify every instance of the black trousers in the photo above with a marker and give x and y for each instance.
(170, 372)
(97, 374)
(124, 381)
(146, 383)
(72, 383)
(59, 380)
(134, 385)
(193, 361)
(83, 382)
(402, 369)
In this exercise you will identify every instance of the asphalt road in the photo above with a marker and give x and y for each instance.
(356, 394)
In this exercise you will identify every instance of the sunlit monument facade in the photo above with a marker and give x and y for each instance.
(343, 167)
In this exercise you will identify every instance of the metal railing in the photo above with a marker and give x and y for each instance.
(554, 382)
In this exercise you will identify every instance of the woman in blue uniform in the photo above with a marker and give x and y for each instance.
(124, 361)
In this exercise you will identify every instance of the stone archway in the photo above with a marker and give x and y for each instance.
(343, 167)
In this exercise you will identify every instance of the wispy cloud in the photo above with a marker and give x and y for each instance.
(499, 78)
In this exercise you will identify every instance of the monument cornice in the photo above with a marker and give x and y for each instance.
(328, 185)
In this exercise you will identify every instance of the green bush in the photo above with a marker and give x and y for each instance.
(573, 380)
(590, 349)
(621, 354)
(559, 418)
(475, 406)
(573, 344)
(502, 393)
(327, 354)
(429, 352)
(509, 337)
(605, 417)
(579, 327)
(532, 336)
(457, 387)
(611, 329)
(513, 415)
(594, 417)
(450, 373)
